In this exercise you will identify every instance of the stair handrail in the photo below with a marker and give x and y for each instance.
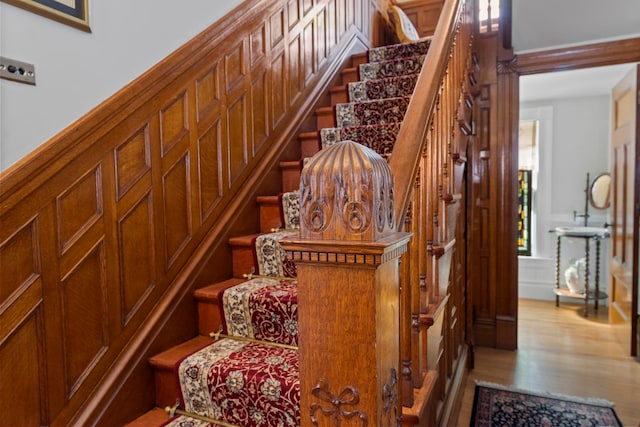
(411, 139)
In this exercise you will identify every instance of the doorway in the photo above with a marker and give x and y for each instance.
(571, 110)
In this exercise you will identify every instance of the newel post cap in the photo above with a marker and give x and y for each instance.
(346, 193)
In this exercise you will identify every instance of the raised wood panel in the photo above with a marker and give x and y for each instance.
(276, 25)
(210, 176)
(295, 68)
(309, 60)
(19, 262)
(177, 209)
(350, 13)
(278, 89)
(358, 15)
(306, 6)
(423, 14)
(136, 250)
(84, 307)
(174, 122)
(341, 17)
(78, 208)
(260, 110)
(238, 128)
(258, 46)
(293, 13)
(235, 68)
(332, 22)
(207, 92)
(132, 160)
(22, 382)
(322, 34)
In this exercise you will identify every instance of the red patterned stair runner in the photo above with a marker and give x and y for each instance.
(402, 50)
(264, 309)
(374, 112)
(390, 68)
(246, 384)
(390, 87)
(257, 383)
(379, 138)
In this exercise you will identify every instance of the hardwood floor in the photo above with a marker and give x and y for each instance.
(561, 351)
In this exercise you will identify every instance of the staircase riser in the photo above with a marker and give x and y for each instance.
(349, 75)
(325, 118)
(166, 388)
(339, 96)
(359, 58)
(209, 317)
(242, 260)
(309, 146)
(290, 179)
(269, 217)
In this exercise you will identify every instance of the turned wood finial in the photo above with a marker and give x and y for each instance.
(346, 193)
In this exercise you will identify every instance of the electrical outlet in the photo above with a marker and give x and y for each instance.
(18, 71)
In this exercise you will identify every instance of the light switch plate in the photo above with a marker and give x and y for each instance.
(18, 71)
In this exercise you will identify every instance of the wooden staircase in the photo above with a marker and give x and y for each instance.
(433, 352)
(209, 313)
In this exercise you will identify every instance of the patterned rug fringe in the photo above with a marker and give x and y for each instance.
(587, 400)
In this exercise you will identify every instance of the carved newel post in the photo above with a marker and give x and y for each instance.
(347, 258)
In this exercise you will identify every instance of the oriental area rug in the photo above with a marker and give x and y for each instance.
(498, 405)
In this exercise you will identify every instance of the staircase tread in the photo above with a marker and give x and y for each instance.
(290, 163)
(155, 417)
(309, 134)
(324, 109)
(268, 199)
(168, 358)
(210, 293)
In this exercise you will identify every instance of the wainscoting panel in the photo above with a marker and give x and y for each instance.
(99, 227)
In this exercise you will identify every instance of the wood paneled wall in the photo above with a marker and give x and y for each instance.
(423, 14)
(492, 254)
(107, 227)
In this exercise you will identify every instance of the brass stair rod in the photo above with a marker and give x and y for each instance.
(258, 276)
(279, 229)
(219, 334)
(175, 411)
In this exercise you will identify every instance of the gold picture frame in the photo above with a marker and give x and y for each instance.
(70, 12)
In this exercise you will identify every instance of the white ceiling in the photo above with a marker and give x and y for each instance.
(571, 84)
(549, 24)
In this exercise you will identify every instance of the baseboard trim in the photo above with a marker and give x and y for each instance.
(451, 407)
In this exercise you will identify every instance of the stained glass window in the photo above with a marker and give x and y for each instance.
(524, 212)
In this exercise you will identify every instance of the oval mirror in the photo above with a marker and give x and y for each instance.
(600, 190)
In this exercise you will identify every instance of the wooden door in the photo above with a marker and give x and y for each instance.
(623, 300)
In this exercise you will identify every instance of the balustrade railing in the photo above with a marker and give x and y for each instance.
(428, 164)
